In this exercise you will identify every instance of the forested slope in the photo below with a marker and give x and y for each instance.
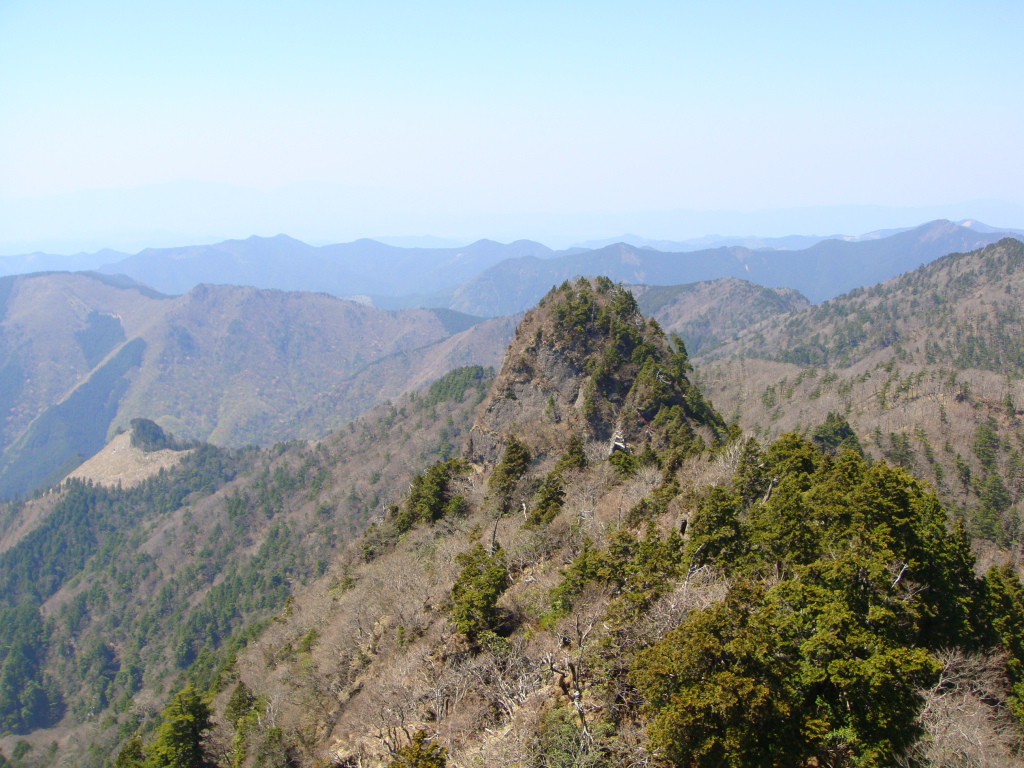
(600, 572)
(927, 367)
(81, 355)
(112, 597)
(609, 576)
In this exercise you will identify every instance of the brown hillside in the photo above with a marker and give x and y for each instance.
(121, 463)
(712, 312)
(921, 365)
(225, 364)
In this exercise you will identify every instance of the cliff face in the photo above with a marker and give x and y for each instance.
(585, 362)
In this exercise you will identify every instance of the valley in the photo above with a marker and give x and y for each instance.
(81, 355)
(435, 560)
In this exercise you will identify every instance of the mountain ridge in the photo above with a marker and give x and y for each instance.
(231, 364)
(821, 271)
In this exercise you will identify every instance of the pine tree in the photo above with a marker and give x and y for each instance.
(179, 740)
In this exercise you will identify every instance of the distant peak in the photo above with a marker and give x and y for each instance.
(280, 237)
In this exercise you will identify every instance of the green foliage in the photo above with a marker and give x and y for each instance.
(574, 457)
(835, 435)
(432, 495)
(275, 752)
(626, 464)
(995, 500)
(513, 465)
(561, 742)
(241, 703)
(21, 748)
(715, 530)
(629, 362)
(550, 496)
(420, 753)
(454, 385)
(718, 688)
(243, 711)
(638, 570)
(963, 471)
(482, 580)
(26, 703)
(89, 521)
(549, 500)
(149, 436)
(751, 478)
(986, 443)
(1005, 606)
(179, 741)
(118, 632)
(653, 504)
(132, 754)
(846, 581)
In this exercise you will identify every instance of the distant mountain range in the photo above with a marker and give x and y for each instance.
(790, 243)
(360, 267)
(821, 272)
(83, 353)
(487, 278)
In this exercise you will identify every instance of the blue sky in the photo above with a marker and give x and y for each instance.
(541, 109)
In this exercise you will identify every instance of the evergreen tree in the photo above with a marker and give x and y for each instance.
(132, 755)
(846, 582)
(550, 499)
(420, 753)
(475, 594)
(574, 457)
(513, 465)
(835, 435)
(179, 740)
(241, 703)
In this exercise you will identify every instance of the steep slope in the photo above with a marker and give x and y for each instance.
(83, 354)
(583, 368)
(710, 313)
(820, 272)
(559, 598)
(132, 590)
(510, 611)
(927, 367)
(586, 362)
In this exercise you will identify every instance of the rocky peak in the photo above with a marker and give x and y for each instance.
(586, 362)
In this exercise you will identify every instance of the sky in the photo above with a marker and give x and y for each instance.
(345, 119)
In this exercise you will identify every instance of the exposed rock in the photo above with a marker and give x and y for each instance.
(586, 362)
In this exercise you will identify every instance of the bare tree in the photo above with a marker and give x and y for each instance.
(966, 720)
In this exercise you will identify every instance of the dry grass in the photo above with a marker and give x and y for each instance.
(122, 464)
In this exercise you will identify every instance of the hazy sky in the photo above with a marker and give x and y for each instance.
(532, 107)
